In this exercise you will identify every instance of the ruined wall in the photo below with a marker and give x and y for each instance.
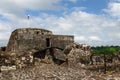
(61, 41)
(35, 38)
(28, 38)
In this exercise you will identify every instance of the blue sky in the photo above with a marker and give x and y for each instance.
(91, 6)
(94, 22)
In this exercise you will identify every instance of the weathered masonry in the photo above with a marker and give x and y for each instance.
(36, 38)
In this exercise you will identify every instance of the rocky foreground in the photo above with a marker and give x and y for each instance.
(43, 71)
(73, 63)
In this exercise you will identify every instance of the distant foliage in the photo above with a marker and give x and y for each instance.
(105, 49)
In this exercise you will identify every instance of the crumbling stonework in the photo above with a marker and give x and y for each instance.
(27, 44)
(34, 38)
(32, 46)
(78, 53)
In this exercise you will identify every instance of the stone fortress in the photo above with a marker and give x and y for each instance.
(30, 46)
(34, 38)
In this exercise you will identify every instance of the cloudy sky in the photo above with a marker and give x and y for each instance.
(95, 22)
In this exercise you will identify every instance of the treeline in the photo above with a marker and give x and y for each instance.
(105, 49)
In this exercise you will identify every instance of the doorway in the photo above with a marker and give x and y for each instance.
(47, 42)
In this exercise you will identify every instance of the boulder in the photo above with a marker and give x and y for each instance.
(59, 54)
(7, 68)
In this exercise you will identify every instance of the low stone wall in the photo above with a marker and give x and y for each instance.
(110, 58)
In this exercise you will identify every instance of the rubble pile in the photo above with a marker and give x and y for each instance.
(24, 60)
(9, 59)
(78, 53)
(75, 62)
(54, 72)
(71, 55)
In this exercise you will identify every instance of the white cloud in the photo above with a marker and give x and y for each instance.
(74, 1)
(5, 31)
(84, 25)
(29, 4)
(14, 10)
(80, 38)
(113, 9)
(18, 7)
(94, 38)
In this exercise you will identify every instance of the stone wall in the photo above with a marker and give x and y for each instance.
(34, 38)
(26, 39)
(98, 59)
(61, 41)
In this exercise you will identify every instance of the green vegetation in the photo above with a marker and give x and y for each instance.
(105, 49)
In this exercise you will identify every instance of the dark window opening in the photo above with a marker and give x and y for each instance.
(37, 32)
(48, 42)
